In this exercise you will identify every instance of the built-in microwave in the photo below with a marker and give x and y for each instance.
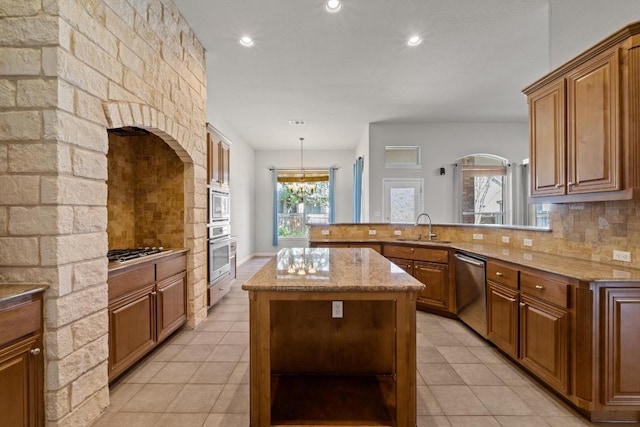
(218, 206)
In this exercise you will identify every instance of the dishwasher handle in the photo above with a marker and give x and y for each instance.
(469, 260)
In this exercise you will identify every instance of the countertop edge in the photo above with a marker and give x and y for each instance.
(9, 291)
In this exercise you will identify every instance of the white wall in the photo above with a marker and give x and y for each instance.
(442, 144)
(576, 25)
(242, 188)
(342, 159)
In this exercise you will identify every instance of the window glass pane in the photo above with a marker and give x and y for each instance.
(483, 189)
(302, 203)
(402, 157)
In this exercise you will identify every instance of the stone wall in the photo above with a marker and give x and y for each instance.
(70, 69)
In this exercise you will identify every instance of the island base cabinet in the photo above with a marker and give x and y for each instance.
(544, 340)
(621, 346)
(20, 379)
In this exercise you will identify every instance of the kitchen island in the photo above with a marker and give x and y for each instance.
(332, 340)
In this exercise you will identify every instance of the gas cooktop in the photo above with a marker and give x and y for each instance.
(122, 255)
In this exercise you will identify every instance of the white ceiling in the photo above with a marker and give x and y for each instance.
(339, 72)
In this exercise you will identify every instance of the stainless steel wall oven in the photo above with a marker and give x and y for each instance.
(219, 254)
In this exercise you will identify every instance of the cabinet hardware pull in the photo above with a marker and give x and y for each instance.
(558, 185)
(522, 304)
(153, 293)
(499, 273)
(570, 183)
(35, 351)
(539, 287)
(512, 299)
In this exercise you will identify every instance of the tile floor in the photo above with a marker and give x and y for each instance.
(201, 377)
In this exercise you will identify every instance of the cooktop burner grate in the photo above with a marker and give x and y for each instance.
(122, 255)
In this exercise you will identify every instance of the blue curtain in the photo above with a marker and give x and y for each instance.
(332, 202)
(358, 167)
(274, 181)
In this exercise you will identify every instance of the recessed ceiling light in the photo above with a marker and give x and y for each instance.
(414, 41)
(332, 6)
(246, 41)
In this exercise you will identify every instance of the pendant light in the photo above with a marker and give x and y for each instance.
(303, 188)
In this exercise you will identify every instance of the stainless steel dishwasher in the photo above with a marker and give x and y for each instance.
(471, 294)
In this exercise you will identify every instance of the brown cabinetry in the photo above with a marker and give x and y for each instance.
(218, 159)
(147, 302)
(502, 317)
(431, 267)
(21, 361)
(375, 246)
(583, 118)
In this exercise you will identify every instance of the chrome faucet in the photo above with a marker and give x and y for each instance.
(430, 235)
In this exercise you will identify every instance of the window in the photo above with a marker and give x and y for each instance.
(482, 189)
(402, 199)
(402, 157)
(302, 199)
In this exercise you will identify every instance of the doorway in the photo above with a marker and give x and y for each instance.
(402, 199)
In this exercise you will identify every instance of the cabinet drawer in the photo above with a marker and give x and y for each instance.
(543, 287)
(502, 273)
(123, 282)
(416, 253)
(171, 266)
(20, 320)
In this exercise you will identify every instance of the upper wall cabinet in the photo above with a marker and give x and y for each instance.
(584, 125)
(218, 158)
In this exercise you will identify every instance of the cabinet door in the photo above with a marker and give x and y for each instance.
(593, 137)
(502, 311)
(224, 164)
(172, 304)
(547, 140)
(621, 345)
(131, 329)
(213, 159)
(20, 383)
(544, 339)
(436, 278)
(405, 264)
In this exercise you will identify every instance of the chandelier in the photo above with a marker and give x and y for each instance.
(302, 188)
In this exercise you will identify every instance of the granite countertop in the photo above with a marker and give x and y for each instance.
(14, 290)
(115, 266)
(588, 271)
(331, 270)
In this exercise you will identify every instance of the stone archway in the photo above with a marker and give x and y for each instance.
(191, 149)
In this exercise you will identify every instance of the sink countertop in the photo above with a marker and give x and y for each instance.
(588, 271)
(15, 290)
(337, 270)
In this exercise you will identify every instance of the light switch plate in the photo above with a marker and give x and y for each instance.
(505, 239)
(337, 309)
(325, 232)
(477, 236)
(527, 242)
(397, 233)
(372, 232)
(622, 256)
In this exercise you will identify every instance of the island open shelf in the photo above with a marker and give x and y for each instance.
(309, 366)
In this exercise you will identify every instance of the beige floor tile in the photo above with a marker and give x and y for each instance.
(183, 337)
(422, 341)
(543, 405)
(228, 317)
(453, 326)
(227, 353)
(471, 340)
(442, 338)
(204, 338)
(234, 399)
(233, 308)
(476, 374)
(143, 373)
(240, 327)
(433, 421)
(246, 355)
(181, 420)
(426, 403)
(120, 393)
(501, 400)
(133, 419)
(227, 420)
(153, 398)
(439, 374)
(214, 325)
(175, 373)
(569, 421)
(196, 398)
(429, 355)
(521, 421)
(213, 373)
(457, 354)
(240, 374)
(488, 355)
(458, 400)
(165, 352)
(509, 374)
(473, 421)
(194, 353)
(235, 338)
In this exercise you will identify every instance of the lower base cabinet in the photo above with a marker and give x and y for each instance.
(147, 302)
(502, 317)
(21, 362)
(436, 277)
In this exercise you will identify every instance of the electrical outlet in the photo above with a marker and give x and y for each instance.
(397, 233)
(372, 232)
(505, 239)
(325, 232)
(337, 309)
(477, 236)
(527, 242)
(622, 256)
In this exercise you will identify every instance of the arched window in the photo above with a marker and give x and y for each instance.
(481, 189)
